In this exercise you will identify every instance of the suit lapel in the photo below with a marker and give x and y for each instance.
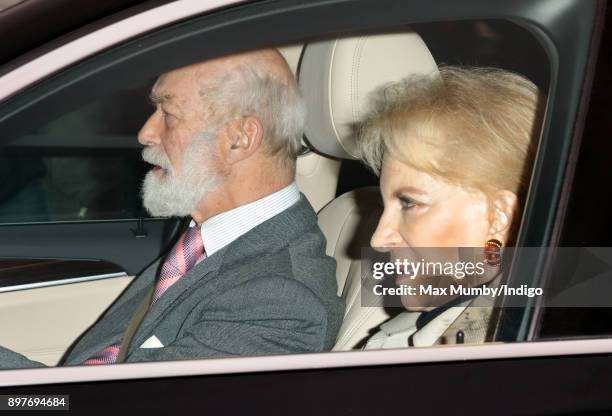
(200, 273)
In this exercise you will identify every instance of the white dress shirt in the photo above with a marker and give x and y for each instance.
(222, 229)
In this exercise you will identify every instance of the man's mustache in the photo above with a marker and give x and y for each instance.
(156, 156)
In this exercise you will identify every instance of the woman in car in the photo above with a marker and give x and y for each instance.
(454, 152)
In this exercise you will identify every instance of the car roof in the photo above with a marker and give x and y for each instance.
(35, 26)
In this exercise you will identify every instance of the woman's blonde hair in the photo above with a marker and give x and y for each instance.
(474, 127)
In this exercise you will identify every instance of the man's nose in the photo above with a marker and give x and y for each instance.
(386, 236)
(149, 134)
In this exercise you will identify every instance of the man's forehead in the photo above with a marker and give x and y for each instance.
(165, 86)
(182, 87)
(172, 87)
(158, 82)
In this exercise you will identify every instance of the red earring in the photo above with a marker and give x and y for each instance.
(492, 252)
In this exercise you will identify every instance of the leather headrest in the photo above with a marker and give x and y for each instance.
(337, 76)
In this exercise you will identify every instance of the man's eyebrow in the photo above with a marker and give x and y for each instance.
(160, 99)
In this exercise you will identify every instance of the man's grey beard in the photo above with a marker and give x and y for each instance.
(176, 194)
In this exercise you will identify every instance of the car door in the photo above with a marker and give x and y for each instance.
(458, 379)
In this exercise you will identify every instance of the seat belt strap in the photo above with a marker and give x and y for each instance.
(137, 318)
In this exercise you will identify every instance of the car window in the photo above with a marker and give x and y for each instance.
(80, 166)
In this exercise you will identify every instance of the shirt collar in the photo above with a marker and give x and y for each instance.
(224, 228)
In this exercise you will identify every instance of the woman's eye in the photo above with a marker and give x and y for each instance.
(406, 203)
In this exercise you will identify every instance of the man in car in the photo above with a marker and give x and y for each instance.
(249, 276)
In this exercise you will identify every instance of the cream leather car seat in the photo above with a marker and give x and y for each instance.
(316, 176)
(336, 78)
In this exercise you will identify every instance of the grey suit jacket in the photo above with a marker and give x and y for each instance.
(271, 291)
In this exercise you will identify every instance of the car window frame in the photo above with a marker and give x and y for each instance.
(572, 161)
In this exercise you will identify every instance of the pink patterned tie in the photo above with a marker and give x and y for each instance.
(188, 251)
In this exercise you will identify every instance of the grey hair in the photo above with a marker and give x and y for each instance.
(279, 107)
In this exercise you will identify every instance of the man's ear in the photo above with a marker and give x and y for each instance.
(503, 209)
(242, 138)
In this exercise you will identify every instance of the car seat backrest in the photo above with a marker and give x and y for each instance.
(316, 175)
(336, 78)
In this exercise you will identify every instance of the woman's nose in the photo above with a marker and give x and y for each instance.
(386, 236)
(149, 134)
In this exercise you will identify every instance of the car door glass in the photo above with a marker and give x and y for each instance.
(83, 165)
